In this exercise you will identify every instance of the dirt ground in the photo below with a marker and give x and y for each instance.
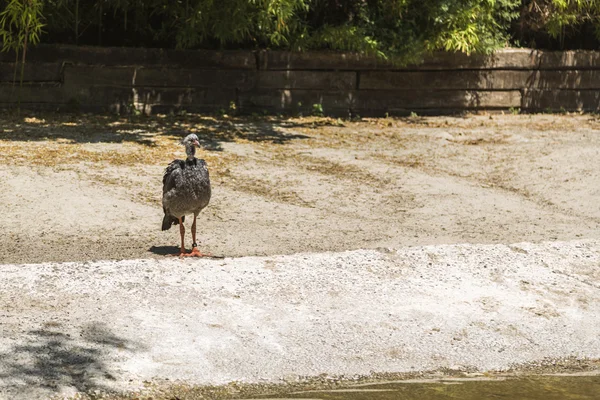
(82, 187)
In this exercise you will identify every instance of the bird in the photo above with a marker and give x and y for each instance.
(186, 190)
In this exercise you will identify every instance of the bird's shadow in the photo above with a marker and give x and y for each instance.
(174, 251)
(164, 250)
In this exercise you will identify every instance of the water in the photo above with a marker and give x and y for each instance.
(523, 388)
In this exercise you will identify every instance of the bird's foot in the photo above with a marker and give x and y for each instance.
(180, 254)
(196, 253)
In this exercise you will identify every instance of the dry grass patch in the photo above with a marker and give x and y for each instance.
(56, 139)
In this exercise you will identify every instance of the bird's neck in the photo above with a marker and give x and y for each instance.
(190, 151)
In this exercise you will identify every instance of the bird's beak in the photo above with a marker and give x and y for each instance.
(196, 143)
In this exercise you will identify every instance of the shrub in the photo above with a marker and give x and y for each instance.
(399, 29)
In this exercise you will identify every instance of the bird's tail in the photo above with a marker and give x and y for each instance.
(168, 221)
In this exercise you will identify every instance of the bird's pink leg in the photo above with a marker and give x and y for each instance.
(195, 252)
(182, 233)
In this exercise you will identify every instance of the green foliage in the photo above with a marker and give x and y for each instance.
(566, 22)
(403, 30)
(317, 109)
(342, 38)
(470, 26)
(406, 29)
(20, 24)
(231, 22)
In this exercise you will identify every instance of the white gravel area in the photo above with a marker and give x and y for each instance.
(68, 327)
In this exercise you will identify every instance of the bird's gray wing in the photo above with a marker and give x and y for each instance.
(171, 175)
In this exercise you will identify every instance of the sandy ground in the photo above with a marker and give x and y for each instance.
(90, 188)
(473, 243)
(113, 325)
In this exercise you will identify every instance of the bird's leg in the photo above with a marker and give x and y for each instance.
(182, 233)
(194, 245)
(195, 252)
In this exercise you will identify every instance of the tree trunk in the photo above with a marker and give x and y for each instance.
(76, 22)
(14, 81)
(23, 67)
(100, 25)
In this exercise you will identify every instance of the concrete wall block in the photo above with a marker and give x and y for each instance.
(128, 56)
(116, 97)
(465, 79)
(296, 100)
(511, 59)
(480, 80)
(575, 59)
(567, 79)
(156, 79)
(99, 75)
(389, 101)
(319, 80)
(561, 100)
(168, 77)
(315, 60)
(215, 98)
(51, 93)
(503, 59)
(33, 72)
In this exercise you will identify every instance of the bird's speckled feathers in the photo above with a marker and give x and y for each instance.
(186, 187)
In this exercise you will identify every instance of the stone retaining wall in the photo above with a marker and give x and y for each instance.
(155, 80)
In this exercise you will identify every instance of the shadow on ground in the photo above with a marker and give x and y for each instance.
(49, 360)
(174, 251)
(85, 128)
(164, 250)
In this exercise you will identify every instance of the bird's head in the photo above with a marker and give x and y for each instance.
(190, 140)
